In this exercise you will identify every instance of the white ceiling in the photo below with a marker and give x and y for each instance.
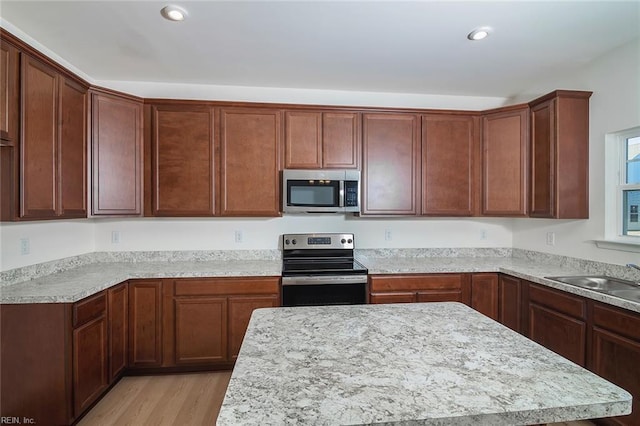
(377, 46)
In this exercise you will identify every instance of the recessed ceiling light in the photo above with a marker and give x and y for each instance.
(174, 13)
(479, 33)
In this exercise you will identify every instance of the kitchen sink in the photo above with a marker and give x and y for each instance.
(603, 284)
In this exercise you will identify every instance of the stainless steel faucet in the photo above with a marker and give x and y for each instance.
(633, 265)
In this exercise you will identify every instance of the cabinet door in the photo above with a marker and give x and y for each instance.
(561, 333)
(145, 323)
(303, 140)
(90, 366)
(9, 103)
(118, 301)
(341, 141)
(484, 294)
(393, 297)
(39, 135)
(560, 155)
(391, 164)
(200, 330)
(73, 149)
(116, 156)
(504, 161)
(510, 303)
(615, 351)
(543, 145)
(449, 160)
(240, 309)
(250, 163)
(184, 158)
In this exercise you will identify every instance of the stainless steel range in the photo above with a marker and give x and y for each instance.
(320, 269)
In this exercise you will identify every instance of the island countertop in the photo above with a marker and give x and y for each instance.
(409, 364)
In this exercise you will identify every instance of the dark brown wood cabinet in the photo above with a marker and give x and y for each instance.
(510, 302)
(316, 140)
(557, 320)
(118, 324)
(615, 351)
(504, 161)
(90, 355)
(484, 294)
(184, 157)
(391, 164)
(560, 155)
(9, 85)
(420, 288)
(250, 162)
(116, 155)
(145, 323)
(212, 315)
(450, 164)
(240, 309)
(52, 143)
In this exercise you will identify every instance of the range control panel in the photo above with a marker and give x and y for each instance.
(317, 241)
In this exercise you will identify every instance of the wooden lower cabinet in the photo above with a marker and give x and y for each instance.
(240, 309)
(510, 302)
(90, 365)
(200, 330)
(615, 353)
(420, 288)
(557, 320)
(484, 294)
(118, 323)
(145, 323)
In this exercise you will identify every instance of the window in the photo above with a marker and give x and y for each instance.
(622, 187)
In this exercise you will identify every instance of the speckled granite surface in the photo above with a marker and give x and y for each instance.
(72, 279)
(408, 364)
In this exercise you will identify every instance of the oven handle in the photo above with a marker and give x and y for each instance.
(324, 279)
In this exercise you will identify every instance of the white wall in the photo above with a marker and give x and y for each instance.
(48, 240)
(217, 234)
(614, 80)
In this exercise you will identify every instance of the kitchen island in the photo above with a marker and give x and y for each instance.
(417, 364)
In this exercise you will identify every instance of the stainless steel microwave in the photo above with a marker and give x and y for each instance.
(320, 191)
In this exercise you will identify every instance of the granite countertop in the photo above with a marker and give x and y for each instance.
(417, 364)
(83, 281)
(80, 279)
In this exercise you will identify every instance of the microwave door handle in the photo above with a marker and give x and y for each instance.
(341, 201)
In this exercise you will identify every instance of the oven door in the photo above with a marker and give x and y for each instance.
(310, 290)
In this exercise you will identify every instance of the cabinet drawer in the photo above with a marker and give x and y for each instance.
(89, 308)
(227, 286)
(560, 301)
(417, 282)
(624, 323)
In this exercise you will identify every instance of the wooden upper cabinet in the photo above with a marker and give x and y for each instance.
(53, 143)
(9, 102)
(450, 157)
(183, 160)
(560, 155)
(73, 149)
(315, 140)
(391, 164)
(504, 162)
(250, 162)
(116, 155)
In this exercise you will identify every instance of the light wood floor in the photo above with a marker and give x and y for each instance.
(180, 399)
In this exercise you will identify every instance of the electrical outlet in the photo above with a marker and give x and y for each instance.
(483, 234)
(551, 238)
(237, 235)
(387, 235)
(25, 246)
(115, 237)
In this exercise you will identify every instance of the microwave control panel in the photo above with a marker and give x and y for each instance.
(351, 193)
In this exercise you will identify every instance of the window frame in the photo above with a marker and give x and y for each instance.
(615, 185)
